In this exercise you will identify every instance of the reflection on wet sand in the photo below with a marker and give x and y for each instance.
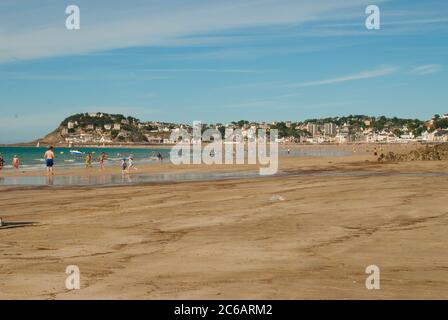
(126, 178)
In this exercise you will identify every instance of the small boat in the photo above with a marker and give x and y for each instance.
(76, 152)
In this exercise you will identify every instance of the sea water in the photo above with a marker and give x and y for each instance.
(33, 157)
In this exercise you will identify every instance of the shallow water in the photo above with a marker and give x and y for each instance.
(127, 179)
(122, 179)
(31, 158)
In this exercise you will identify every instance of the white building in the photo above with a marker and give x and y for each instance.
(341, 138)
(330, 129)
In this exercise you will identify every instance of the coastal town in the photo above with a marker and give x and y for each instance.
(103, 128)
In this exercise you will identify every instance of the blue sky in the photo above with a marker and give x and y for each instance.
(218, 61)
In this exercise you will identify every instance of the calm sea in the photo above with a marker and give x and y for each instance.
(32, 157)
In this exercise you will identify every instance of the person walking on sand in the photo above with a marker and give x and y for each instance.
(2, 162)
(131, 163)
(49, 160)
(124, 166)
(101, 159)
(89, 160)
(16, 162)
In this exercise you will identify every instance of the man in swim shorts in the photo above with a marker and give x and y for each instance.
(49, 160)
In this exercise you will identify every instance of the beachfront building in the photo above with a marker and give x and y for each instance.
(341, 138)
(330, 129)
(85, 137)
(312, 128)
(154, 140)
(440, 135)
(105, 140)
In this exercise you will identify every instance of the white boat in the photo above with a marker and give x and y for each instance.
(76, 152)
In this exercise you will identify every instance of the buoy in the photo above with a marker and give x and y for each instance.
(62, 152)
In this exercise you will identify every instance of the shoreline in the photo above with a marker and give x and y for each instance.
(169, 145)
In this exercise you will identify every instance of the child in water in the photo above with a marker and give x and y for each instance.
(89, 160)
(16, 162)
(124, 165)
(101, 159)
(131, 163)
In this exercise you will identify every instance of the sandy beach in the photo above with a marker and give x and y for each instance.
(231, 239)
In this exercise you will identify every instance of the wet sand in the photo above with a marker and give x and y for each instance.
(230, 240)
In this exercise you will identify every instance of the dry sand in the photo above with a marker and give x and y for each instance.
(229, 240)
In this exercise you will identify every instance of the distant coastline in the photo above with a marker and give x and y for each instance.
(111, 146)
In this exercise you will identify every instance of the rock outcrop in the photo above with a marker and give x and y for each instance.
(428, 153)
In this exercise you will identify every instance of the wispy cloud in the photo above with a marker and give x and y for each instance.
(29, 31)
(426, 69)
(375, 73)
(200, 70)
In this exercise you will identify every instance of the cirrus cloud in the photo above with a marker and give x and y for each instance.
(426, 69)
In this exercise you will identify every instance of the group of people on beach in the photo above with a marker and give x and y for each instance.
(101, 159)
(127, 163)
(15, 162)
